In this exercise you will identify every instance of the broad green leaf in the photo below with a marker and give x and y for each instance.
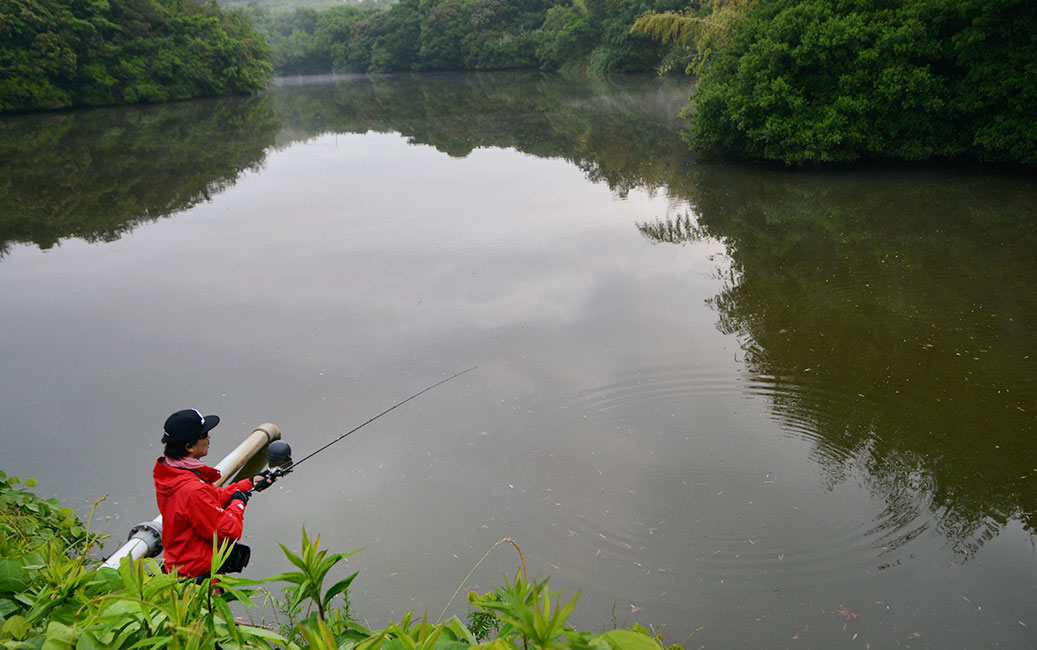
(13, 576)
(152, 642)
(16, 627)
(371, 642)
(292, 576)
(337, 588)
(461, 631)
(87, 641)
(106, 579)
(7, 606)
(628, 640)
(121, 606)
(262, 633)
(59, 637)
(292, 557)
(228, 616)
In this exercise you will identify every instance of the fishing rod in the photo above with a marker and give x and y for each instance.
(281, 471)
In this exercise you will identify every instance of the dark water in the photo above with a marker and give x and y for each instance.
(771, 408)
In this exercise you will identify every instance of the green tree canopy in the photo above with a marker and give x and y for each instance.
(808, 81)
(423, 35)
(56, 53)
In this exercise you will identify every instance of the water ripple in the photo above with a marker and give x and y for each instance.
(682, 470)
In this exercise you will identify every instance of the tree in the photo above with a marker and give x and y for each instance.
(812, 81)
(700, 30)
(397, 34)
(57, 53)
(442, 31)
(565, 35)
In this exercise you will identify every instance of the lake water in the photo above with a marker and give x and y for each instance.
(770, 408)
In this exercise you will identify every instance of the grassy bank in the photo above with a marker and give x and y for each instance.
(53, 596)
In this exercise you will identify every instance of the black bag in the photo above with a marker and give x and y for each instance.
(237, 560)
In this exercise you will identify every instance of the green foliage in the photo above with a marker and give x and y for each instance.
(288, 6)
(699, 32)
(323, 624)
(482, 622)
(306, 41)
(565, 35)
(397, 38)
(524, 613)
(524, 609)
(442, 33)
(56, 53)
(465, 34)
(313, 565)
(49, 600)
(619, 49)
(29, 522)
(807, 81)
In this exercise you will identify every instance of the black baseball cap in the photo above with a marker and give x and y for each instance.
(186, 426)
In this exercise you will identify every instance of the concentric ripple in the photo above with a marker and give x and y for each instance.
(698, 472)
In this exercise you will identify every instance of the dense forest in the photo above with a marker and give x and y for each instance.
(56, 53)
(798, 81)
(808, 81)
(425, 35)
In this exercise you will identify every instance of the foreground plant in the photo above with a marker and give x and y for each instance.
(51, 600)
(306, 587)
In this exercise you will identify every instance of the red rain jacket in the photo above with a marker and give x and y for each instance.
(192, 510)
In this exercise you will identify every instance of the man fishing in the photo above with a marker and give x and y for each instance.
(193, 509)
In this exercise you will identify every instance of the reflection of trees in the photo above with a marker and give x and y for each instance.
(626, 124)
(96, 174)
(887, 316)
(674, 230)
(891, 317)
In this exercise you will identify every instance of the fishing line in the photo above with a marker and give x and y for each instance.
(281, 471)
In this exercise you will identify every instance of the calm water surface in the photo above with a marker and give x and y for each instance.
(772, 408)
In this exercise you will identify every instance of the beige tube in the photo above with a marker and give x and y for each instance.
(146, 538)
(262, 436)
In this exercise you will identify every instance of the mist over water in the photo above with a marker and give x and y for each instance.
(771, 407)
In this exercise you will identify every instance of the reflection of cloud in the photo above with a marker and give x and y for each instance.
(479, 249)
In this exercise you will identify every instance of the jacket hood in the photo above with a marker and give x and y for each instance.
(169, 479)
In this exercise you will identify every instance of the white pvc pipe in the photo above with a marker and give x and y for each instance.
(146, 538)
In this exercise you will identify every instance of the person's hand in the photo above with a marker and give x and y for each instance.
(263, 480)
(240, 496)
